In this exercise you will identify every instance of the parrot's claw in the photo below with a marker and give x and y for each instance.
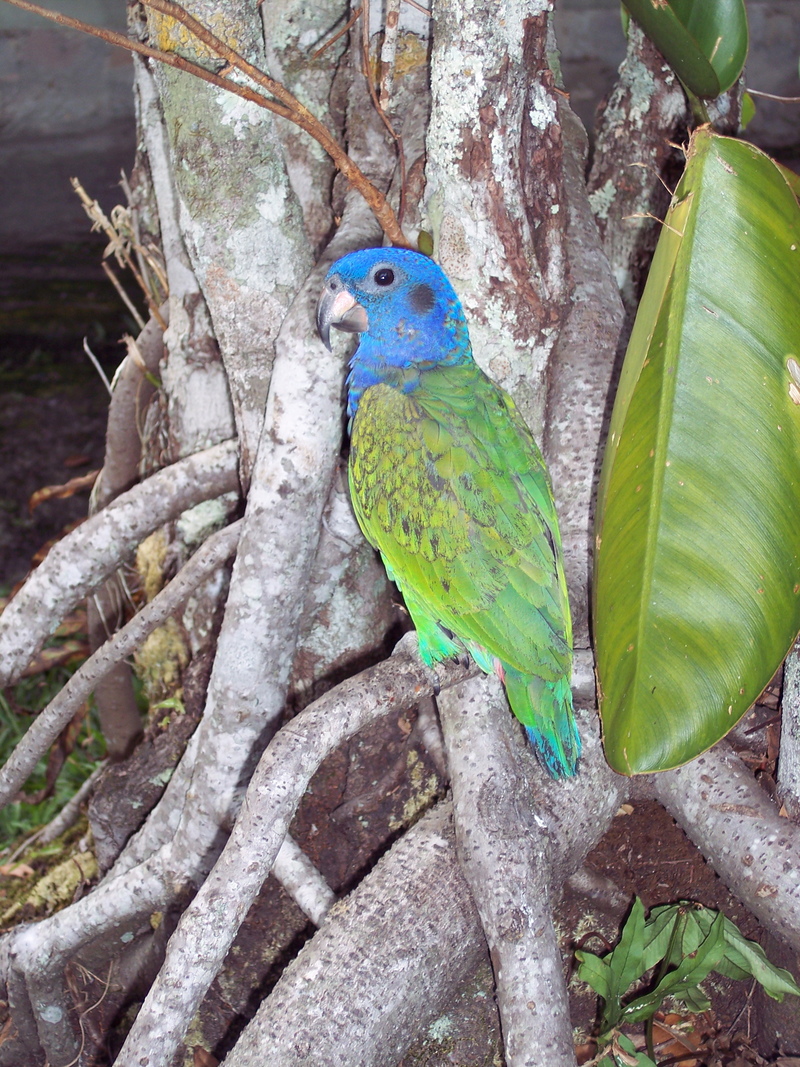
(409, 645)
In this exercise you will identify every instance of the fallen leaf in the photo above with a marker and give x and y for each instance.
(203, 1058)
(74, 623)
(677, 1035)
(54, 657)
(16, 870)
(585, 1052)
(5, 1033)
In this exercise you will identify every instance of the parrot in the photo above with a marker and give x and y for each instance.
(449, 486)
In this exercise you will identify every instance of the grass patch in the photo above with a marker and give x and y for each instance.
(17, 707)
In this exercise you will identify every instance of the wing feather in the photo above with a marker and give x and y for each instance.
(448, 484)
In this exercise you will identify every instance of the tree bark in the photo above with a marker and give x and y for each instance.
(494, 133)
(644, 113)
(86, 680)
(83, 558)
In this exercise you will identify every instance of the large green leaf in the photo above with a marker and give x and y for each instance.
(704, 41)
(697, 568)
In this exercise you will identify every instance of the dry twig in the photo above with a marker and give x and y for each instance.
(119, 249)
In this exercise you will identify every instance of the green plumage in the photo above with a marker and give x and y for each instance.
(449, 485)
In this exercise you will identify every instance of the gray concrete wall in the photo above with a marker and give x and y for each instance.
(66, 108)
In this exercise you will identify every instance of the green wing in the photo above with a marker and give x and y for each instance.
(447, 482)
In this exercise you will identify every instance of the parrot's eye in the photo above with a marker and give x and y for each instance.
(384, 276)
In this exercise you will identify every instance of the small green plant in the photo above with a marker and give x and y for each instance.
(28, 697)
(681, 944)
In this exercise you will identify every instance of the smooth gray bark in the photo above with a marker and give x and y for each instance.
(51, 721)
(83, 558)
(755, 851)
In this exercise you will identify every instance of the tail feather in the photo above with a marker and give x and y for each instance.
(545, 710)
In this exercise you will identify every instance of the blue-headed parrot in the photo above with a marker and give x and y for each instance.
(449, 486)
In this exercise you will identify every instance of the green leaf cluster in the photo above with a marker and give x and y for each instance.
(682, 944)
(704, 41)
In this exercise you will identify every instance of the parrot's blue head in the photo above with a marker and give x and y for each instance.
(405, 310)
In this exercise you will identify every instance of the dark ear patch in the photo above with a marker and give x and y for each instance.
(422, 298)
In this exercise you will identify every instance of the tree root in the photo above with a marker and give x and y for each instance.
(508, 849)
(210, 923)
(755, 851)
(50, 722)
(382, 967)
(33, 957)
(373, 976)
(83, 558)
(134, 388)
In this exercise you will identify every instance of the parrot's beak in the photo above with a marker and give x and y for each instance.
(338, 307)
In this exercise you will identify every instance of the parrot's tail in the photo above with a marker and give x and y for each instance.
(545, 710)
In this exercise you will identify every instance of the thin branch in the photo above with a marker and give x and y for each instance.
(772, 96)
(347, 26)
(289, 108)
(96, 364)
(50, 722)
(69, 814)
(66, 818)
(303, 881)
(171, 59)
(389, 52)
(378, 105)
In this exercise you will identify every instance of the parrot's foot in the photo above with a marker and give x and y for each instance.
(411, 646)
